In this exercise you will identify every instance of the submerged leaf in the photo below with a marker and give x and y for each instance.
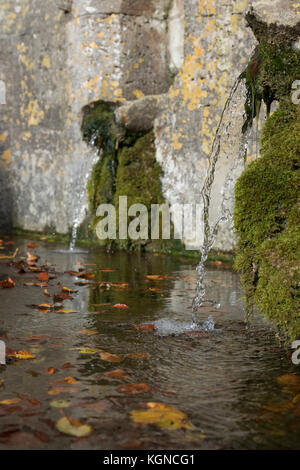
(73, 427)
(162, 415)
(134, 389)
(105, 356)
(116, 374)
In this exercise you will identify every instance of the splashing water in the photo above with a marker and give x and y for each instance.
(165, 327)
(85, 171)
(211, 232)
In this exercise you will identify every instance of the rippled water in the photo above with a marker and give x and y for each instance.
(222, 377)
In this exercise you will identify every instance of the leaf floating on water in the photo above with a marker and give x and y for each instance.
(116, 374)
(88, 332)
(70, 380)
(134, 389)
(73, 427)
(105, 356)
(21, 355)
(67, 310)
(32, 245)
(10, 401)
(291, 382)
(279, 407)
(145, 327)
(60, 403)
(88, 276)
(7, 283)
(139, 355)
(120, 306)
(87, 350)
(162, 415)
(43, 277)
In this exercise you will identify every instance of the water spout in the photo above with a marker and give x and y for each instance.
(85, 173)
(210, 232)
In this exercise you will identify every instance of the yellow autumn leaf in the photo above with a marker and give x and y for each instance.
(11, 401)
(87, 350)
(162, 415)
(73, 427)
(22, 355)
(88, 332)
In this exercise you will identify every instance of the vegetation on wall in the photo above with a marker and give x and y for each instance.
(267, 194)
(127, 167)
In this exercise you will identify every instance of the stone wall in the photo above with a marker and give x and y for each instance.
(56, 57)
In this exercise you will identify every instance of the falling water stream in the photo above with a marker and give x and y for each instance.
(85, 172)
(210, 232)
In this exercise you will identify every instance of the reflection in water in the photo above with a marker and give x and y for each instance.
(222, 378)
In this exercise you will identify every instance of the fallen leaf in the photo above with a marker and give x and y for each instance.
(32, 245)
(7, 283)
(145, 327)
(139, 355)
(134, 389)
(279, 407)
(291, 382)
(10, 401)
(43, 277)
(67, 310)
(60, 403)
(73, 427)
(51, 370)
(21, 355)
(105, 356)
(88, 332)
(70, 380)
(116, 374)
(87, 350)
(162, 415)
(120, 306)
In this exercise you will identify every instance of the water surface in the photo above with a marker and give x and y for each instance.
(224, 380)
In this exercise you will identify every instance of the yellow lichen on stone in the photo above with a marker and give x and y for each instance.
(138, 94)
(5, 158)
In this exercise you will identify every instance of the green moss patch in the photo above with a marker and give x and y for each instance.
(267, 221)
(127, 167)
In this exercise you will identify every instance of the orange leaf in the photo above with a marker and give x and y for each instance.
(120, 306)
(134, 389)
(51, 370)
(43, 277)
(7, 284)
(116, 374)
(11, 401)
(146, 327)
(139, 355)
(70, 380)
(105, 356)
(32, 245)
(21, 355)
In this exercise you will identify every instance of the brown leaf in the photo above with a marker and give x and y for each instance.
(116, 374)
(105, 356)
(43, 277)
(120, 306)
(7, 283)
(32, 245)
(146, 327)
(134, 389)
(139, 355)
